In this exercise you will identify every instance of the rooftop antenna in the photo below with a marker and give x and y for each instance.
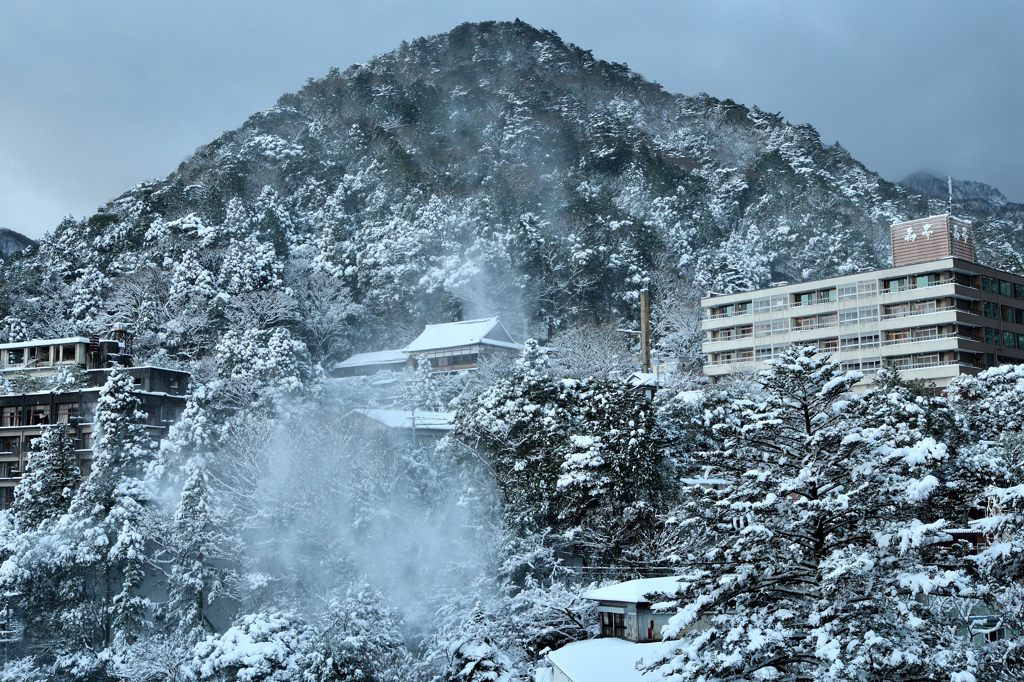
(949, 204)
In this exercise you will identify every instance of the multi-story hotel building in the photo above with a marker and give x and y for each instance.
(935, 313)
(26, 411)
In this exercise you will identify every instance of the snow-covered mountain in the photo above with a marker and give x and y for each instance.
(493, 169)
(12, 242)
(982, 198)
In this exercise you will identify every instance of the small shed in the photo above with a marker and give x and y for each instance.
(626, 609)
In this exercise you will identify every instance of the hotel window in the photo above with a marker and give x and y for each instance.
(10, 416)
(867, 288)
(1018, 316)
(762, 328)
(990, 360)
(723, 335)
(826, 295)
(991, 335)
(870, 365)
(1005, 288)
(926, 333)
(928, 359)
(806, 299)
(923, 306)
(925, 280)
(762, 353)
(829, 320)
(869, 313)
(780, 301)
(38, 414)
(828, 345)
(806, 322)
(847, 317)
(986, 284)
(1018, 290)
(847, 291)
(1020, 341)
(990, 310)
(903, 361)
(780, 326)
(849, 342)
(66, 412)
(1006, 313)
(1009, 339)
(762, 305)
(743, 308)
(852, 366)
(895, 284)
(899, 309)
(869, 341)
(897, 335)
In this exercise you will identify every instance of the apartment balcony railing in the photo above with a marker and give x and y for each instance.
(817, 301)
(719, 316)
(922, 339)
(935, 363)
(817, 325)
(730, 361)
(734, 337)
(912, 287)
(915, 313)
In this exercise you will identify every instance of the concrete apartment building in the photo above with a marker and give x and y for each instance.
(25, 412)
(935, 313)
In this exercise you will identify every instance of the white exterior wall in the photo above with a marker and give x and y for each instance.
(947, 344)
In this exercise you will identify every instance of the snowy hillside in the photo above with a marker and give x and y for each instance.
(12, 242)
(490, 170)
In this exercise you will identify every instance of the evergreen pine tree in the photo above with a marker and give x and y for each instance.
(820, 568)
(49, 484)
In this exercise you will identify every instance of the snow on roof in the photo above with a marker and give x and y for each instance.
(633, 591)
(44, 342)
(488, 331)
(380, 357)
(604, 660)
(690, 397)
(406, 419)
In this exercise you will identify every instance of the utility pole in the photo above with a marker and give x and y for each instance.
(645, 332)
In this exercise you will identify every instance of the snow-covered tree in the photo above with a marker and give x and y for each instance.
(108, 519)
(49, 484)
(819, 567)
(579, 456)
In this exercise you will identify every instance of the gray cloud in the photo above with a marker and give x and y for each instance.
(97, 97)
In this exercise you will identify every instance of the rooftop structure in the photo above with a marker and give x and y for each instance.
(447, 347)
(935, 319)
(413, 423)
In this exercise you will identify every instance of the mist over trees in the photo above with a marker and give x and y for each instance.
(496, 170)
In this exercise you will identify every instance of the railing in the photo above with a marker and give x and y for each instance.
(915, 313)
(730, 361)
(719, 316)
(936, 363)
(817, 301)
(911, 287)
(734, 337)
(920, 339)
(818, 325)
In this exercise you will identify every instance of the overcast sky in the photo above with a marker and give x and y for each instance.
(96, 97)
